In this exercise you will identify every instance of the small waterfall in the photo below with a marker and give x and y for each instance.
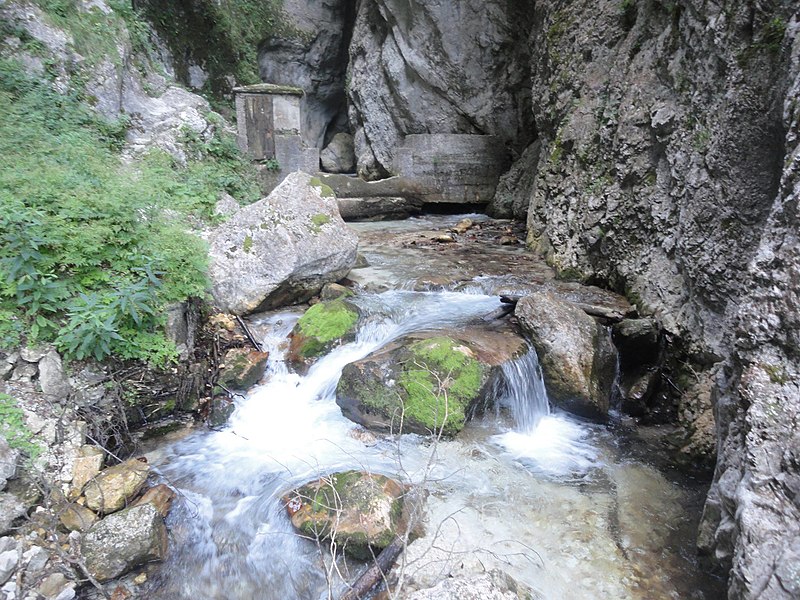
(523, 392)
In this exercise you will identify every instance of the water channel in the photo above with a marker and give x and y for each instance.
(556, 502)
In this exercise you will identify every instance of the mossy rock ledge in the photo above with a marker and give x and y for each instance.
(423, 386)
(362, 512)
(321, 328)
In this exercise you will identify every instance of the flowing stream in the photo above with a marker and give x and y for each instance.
(545, 497)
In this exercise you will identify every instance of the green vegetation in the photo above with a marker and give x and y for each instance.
(13, 428)
(627, 11)
(324, 323)
(777, 374)
(222, 37)
(440, 382)
(318, 220)
(91, 250)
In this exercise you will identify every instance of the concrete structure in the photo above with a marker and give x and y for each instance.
(268, 118)
(456, 168)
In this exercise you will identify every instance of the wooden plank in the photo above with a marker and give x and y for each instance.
(259, 125)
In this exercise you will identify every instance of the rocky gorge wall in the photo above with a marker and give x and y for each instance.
(662, 163)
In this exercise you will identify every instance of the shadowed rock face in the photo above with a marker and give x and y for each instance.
(436, 67)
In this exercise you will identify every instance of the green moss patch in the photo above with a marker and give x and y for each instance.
(440, 381)
(322, 324)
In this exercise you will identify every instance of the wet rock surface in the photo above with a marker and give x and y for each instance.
(321, 328)
(110, 490)
(426, 384)
(282, 249)
(360, 511)
(242, 368)
(577, 358)
(494, 585)
(123, 541)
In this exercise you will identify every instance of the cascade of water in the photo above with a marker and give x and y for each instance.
(523, 392)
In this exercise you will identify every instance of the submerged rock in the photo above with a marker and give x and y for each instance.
(321, 328)
(112, 488)
(282, 249)
(425, 386)
(123, 541)
(242, 368)
(494, 585)
(362, 512)
(577, 358)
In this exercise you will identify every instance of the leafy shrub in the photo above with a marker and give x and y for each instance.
(91, 249)
(14, 429)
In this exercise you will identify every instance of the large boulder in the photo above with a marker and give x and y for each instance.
(339, 155)
(423, 384)
(577, 357)
(112, 488)
(323, 326)
(123, 541)
(361, 512)
(282, 249)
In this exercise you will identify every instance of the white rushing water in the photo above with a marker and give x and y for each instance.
(499, 493)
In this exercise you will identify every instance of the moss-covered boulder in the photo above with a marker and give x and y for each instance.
(362, 512)
(242, 368)
(323, 327)
(420, 386)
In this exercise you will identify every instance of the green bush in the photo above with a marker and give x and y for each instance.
(14, 429)
(91, 249)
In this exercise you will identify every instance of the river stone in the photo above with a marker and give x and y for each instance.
(321, 328)
(8, 462)
(161, 496)
(52, 377)
(76, 517)
(361, 511)
(339, 155)
(494, 585)
(280, 250)
(11, 509)
(123, 541)
(577, 362)
(424, 386)
(86, 466)
(242, 368)
(112, 488)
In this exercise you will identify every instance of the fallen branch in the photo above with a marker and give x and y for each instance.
(376, 573)
(247, 332)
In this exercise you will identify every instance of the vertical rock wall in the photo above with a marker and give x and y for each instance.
(437, 67)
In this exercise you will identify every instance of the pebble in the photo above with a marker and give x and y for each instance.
(8, 562)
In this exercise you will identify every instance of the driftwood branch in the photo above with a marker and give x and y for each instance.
(376, 573)
(248, 333)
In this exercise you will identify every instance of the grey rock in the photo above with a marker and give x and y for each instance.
(8, 462)
(226, 205)
(52, 377)
(339, 155)
(514, 189)
(24, 372)
(282, 249)
(35, 559)
(123, 541)
(577, 363)
(11, 509)
(378, 208)
(8, 564)
(411, 72)
(494, 585)
(314, 60)
(56, 586)
(33, 355)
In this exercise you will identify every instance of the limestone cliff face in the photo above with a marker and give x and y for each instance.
(437, 67)
(669, 135)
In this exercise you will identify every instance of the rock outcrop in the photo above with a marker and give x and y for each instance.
(577, 358)
(423, 67)
(123, 541)
(282, 249)
(361, 512)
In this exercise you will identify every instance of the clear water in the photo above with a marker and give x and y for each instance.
(543, 496)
